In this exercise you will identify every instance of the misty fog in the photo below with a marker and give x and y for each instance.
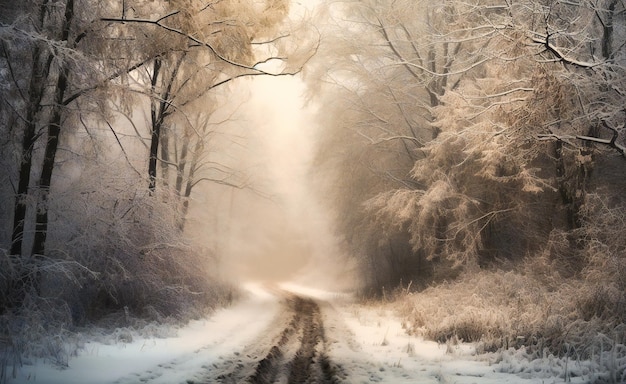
(276, 228)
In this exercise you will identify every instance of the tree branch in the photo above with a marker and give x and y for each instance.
(158, 23)
(122, 148)
(437, 74)
(7, 55)
(114, 76)
(612, 142)
(270, 41)
(545, 41)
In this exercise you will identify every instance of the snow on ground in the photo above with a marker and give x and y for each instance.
(366, 343)
(166, 360)
(382, 344)
(377, 349)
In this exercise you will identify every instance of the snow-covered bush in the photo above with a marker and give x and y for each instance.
(130, 251)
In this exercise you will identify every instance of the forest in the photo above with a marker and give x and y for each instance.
(113, 115)
(471, 156)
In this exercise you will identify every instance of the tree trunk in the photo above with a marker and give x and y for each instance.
(607, 31)
(36, 89)
(156, 121)
(182, 164)
(190, 183)
(52, 144)
(165, 156)
(180, 178)
(41, 224)
(159, 110)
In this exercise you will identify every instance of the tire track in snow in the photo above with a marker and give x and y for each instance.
(296, 355)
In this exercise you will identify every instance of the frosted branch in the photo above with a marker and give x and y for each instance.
(545, 41)
(196, 40)
(608, 142)
(437, 74)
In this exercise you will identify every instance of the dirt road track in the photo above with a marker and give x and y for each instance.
(293, 350)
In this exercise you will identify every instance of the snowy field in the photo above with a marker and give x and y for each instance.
(366, 343)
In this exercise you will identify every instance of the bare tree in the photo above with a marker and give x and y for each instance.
(202, 62)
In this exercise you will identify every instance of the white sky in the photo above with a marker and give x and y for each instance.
(287, 128)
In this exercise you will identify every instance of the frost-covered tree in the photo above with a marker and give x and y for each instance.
(493, 82)
(72, 74)
(390, 64)
(216, 43)
(49, 63)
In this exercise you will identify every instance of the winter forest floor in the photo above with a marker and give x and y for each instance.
(288, 333)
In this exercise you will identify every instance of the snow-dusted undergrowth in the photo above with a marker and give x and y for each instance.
(155, 353)
(384, 349)
(512, 318)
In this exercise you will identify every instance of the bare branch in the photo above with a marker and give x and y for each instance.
(122, 148)
(271, 40)
(503, 93)
(114, 76)
(608, 142)
(437, 74)
(396, 52)
(7, 54)
(188, 36)
(560, 56)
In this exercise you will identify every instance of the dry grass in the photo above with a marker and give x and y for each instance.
(502, 310)
(567, 300)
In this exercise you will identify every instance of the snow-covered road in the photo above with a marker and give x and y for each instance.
(283, 334)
